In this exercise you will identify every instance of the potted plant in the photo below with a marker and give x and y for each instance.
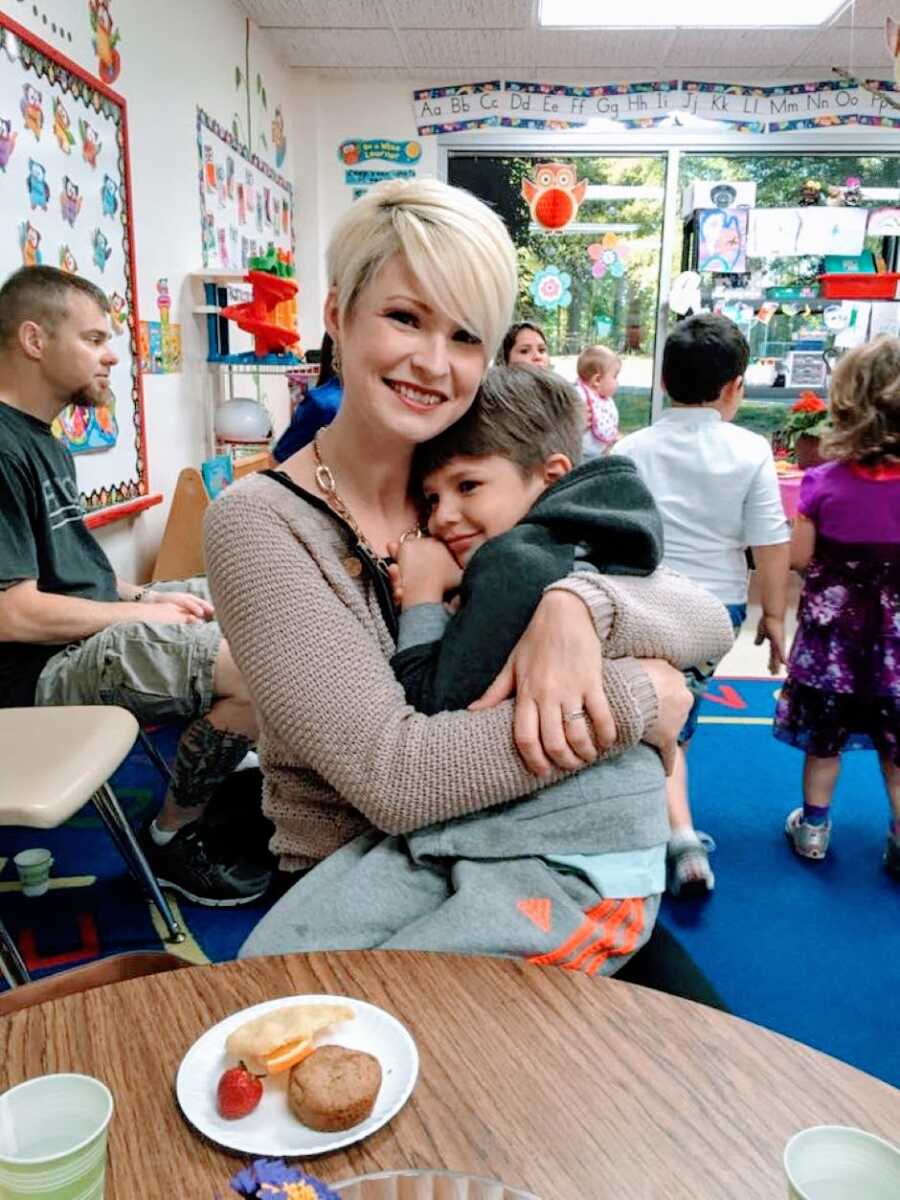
(806, 422)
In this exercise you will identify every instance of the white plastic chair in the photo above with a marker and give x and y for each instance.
(55, 759)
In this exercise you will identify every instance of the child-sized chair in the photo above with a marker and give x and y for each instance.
(55, 759)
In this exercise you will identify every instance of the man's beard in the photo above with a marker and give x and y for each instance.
(93, 396)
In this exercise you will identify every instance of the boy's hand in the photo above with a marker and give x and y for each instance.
(424, 570)
(771, 630)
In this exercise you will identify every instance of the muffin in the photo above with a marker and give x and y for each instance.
(334, 1088)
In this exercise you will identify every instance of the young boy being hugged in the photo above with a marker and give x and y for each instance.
(598, 380)
(508, 518)
(717, 492)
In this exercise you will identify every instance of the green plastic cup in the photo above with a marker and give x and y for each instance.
(34, 870)
(53, 1138)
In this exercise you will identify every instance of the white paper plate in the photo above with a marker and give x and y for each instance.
(271, 1130)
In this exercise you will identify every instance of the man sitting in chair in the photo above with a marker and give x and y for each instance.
(70, 631)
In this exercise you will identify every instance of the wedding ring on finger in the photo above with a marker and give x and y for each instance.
(580, 715)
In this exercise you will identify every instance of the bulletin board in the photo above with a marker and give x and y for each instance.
(65, 201)
(244, 203)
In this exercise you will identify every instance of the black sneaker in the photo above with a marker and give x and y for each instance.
(204, 869)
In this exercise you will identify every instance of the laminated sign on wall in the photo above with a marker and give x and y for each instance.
(66, 202)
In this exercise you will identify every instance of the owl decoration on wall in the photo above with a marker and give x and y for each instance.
(554, 194)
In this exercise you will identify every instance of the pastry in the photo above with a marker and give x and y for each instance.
(334, 1088)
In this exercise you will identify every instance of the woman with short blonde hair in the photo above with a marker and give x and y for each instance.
(422, 283)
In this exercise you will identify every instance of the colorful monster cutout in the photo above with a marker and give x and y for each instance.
(70, 200)
(109, 196)
(102, 249)
(279, 141)
(7, 142)
(30, 241)
(90, 142)
(106, 38)
(61, 130)
(32, 110)
(118, 313)
(554, 194)
(67, 261)
(36, 182)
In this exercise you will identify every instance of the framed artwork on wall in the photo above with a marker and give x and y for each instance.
(65, 199)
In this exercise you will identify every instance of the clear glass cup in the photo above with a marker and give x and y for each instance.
(427, 1185)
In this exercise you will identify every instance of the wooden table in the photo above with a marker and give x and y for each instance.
(567, 1086)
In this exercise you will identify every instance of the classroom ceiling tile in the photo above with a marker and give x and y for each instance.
(866, 13)
(601, 49)
(482, 49)
(461, 14)
(361, 48)
(318, 14)
(710, 49)
(837, 48)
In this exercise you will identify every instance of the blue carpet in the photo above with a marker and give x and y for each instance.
(811, 950)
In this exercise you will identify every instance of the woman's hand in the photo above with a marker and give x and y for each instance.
(554, 672)
(674, 702)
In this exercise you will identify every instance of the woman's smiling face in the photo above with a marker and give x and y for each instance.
(407, 368)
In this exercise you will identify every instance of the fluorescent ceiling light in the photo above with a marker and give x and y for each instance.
(708, 14)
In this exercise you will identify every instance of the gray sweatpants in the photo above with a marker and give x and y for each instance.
(372, 894)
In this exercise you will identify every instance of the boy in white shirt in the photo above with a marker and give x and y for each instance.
(717, 491)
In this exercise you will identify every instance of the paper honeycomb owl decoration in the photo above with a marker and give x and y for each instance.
(554, 194)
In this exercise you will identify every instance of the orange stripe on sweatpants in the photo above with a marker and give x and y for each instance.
(604, 945)
(630, 937)
(585, 930)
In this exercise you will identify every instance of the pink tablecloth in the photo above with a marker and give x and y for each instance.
(790, 491)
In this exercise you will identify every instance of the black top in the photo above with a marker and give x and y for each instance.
(601, 512)
(42, 537)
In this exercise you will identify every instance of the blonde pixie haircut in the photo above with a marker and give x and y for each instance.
(458, 250)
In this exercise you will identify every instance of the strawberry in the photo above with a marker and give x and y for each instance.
(238, 1093)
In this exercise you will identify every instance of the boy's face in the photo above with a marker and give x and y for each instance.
(471, 500)
(606, 382)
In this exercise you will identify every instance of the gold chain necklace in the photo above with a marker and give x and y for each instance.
(328, 488)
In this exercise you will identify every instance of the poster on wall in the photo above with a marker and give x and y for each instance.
(244, 204)
(66, 202)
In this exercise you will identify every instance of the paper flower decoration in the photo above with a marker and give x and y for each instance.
(611, 255)
(550, 288)
(272, 1179)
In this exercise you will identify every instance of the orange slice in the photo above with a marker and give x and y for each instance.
(287, 1055)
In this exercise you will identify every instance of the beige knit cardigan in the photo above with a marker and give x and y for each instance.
(340, 749)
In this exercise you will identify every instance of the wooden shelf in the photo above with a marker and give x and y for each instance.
(118, 512)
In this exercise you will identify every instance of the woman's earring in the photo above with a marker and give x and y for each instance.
(336, 358)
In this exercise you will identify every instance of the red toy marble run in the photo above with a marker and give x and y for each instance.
(270, 316)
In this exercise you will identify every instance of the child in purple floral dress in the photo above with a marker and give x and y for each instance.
(843, 686)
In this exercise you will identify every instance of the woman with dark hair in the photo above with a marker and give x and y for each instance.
(317, 409)
(524, 343)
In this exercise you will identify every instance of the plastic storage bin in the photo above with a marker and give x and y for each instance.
(861, 287)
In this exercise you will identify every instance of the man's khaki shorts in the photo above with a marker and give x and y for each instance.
(158, 672)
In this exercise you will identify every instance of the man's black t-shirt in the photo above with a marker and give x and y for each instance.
(42, 537)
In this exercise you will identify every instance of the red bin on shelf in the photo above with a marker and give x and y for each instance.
(852, 286)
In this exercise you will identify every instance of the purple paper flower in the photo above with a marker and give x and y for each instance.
(272, 1179)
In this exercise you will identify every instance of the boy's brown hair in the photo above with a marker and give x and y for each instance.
(39, 294)
(865, 404)
(595, 359)
(524, 414)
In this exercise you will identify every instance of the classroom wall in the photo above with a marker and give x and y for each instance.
(175, 55)
(329, 108)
